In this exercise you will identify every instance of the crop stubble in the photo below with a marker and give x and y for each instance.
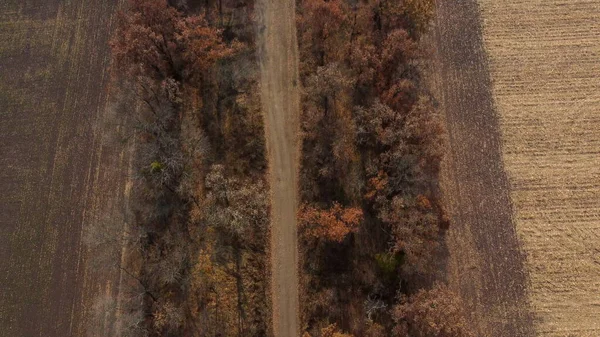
(545, 67)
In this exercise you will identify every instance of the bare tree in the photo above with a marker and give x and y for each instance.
(168, 317)
(372, 305)
(106, 237)
(108, 318)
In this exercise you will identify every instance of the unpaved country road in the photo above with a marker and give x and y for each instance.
(280, 101)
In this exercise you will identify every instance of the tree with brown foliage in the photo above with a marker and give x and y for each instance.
(332, 224)
(373, 137)
(415, 228)
(323, 28)
(420, 12)
(156, 40)
(430, 313)
(403, 166)
(333, 331)
(398, 48)
(375, 330)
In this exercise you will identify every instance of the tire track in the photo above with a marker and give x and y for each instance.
(280, 101)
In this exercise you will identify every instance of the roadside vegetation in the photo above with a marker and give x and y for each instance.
(192, 246)
(371, 220)
(193, 254)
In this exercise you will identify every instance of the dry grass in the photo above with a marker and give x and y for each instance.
(545, 68)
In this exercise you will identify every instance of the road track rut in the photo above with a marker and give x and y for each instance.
(280, 101)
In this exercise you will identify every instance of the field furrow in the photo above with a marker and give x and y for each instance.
(545, 69)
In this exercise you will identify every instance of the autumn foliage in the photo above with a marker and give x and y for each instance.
(332, 224)
(437, 312)
(186, 88)
(373, 139)
(156, 40)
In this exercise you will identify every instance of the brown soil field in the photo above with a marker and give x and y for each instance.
(281, 106)
(486, 264)
(57, 174)
(544, 59)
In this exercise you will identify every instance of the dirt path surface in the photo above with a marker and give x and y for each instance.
(545, 68)
(56, 174)
(486, 264)
(280, 100)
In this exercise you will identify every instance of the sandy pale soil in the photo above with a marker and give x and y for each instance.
(545, 68)
(280, 100)
(56, 175)
(486, 264)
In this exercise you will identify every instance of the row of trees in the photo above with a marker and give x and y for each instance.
(196, 231)
(372, 146)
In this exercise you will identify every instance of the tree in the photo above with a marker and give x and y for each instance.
(421, 13)
(166, 258)
(415, 228)
(168, 318)
(322, 29)
(328, 126)
(430, 313)
(145, 41)
(106, 237)
(333, 331)
(403, 166)
(202, 46)
(375, 330)
(157, 128)
(237, 207)
(236, 210)
(110, 318)
(329, 331)
(332, 224)
(156, 40)
(397, 50)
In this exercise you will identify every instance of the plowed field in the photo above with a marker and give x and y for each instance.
(56, 173)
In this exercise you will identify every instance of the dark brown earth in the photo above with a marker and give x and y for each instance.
(486, 263)
(56, 174)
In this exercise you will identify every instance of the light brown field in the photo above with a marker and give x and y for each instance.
(545, 69)
(57, 174)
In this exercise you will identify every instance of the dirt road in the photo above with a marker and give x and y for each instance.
(56, 173)
(280, 101)
(486, 262)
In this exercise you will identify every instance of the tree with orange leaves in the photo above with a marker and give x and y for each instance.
(332, 224)
(156, 40)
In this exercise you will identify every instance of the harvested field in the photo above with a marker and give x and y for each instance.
(486, 265)
(56, 173)
(545, 69)
(521, 97)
